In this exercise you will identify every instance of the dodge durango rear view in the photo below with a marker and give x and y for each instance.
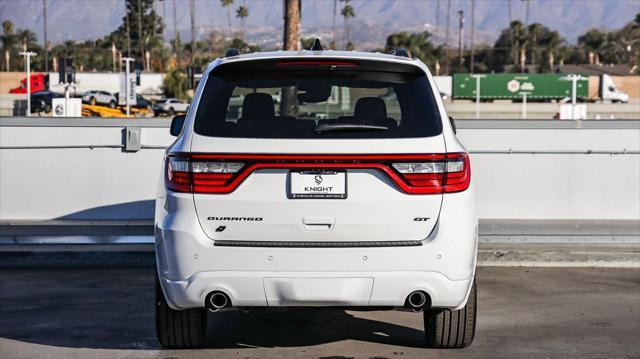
(316, 179)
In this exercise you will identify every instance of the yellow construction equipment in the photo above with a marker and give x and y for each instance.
(103, 111)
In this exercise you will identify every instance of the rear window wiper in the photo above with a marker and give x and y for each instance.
(348, 127)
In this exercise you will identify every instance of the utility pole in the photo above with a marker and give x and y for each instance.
(461, 37)
(46, 50)
(27, 56)
(140, 35)
(526, 17)
(127, 83)
(514, 55)
(437, 18)
(128, 31)
(164, 17)
(446, 36)
(473, 26)
(192, 8)
(176, 36)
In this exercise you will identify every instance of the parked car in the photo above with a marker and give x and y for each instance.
(41, 101)
(347, 196)
(141, 102)
(100, 98)
(170, 106)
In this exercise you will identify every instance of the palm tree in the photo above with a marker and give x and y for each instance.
(533, 34)
(9, 42)
(227, 4)
(242, 12)
(551, 42)
(519, 33)
(347, 12)
(593, 42)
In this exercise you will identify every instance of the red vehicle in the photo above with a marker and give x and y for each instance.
(39, 82)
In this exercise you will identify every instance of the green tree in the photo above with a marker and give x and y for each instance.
(175, 84)
(242, 46)
(144, 25)
(16, 40)
(593, 42)
(227, 4)
(242, 13)
(9, 44)
(347, 12)
(534, 32)
(419, 46)
(550, 42)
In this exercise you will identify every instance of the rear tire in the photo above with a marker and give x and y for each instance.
(179, 328)
(93, 101)
(112, 104)
(171, 111)
(451, 329)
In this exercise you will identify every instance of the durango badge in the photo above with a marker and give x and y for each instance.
(241, 219)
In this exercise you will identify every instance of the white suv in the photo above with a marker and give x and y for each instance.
(100, 98)
(170, 106)
(351, 191)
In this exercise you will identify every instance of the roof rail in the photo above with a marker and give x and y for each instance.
(400, 52)
(317, 46)
(232, 52)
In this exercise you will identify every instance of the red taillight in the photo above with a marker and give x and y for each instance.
(184, 174)
(446, 173)
(413, 173)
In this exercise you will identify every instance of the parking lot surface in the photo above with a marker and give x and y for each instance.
(523, 312)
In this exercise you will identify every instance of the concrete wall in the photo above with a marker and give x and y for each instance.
(521, 169)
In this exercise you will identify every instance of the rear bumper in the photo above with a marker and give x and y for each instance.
(277, 289)
(190, 265)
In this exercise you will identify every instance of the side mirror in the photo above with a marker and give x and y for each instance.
(453, 125)
(176, 125)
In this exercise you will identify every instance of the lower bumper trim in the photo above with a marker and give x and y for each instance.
(291, 244)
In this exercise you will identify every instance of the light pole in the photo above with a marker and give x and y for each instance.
(461, 37)
(46, 49)
(127, 84)
(473, 25)
(27, 55)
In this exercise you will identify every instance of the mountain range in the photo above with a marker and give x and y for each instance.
(375, 19)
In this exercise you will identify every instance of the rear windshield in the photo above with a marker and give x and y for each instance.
(317, 99)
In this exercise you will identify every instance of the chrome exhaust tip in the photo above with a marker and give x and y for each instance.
(217, 300)
(417, 300)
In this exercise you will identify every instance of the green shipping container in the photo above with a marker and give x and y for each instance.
(514, 86)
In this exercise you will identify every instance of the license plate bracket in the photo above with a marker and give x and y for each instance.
(319, 184)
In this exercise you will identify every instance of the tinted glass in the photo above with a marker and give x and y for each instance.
(327, 99)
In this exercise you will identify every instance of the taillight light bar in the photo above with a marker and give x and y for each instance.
(412, 173)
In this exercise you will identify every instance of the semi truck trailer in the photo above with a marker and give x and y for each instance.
(535, 87)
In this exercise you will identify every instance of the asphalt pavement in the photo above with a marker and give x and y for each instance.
(107, 312)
